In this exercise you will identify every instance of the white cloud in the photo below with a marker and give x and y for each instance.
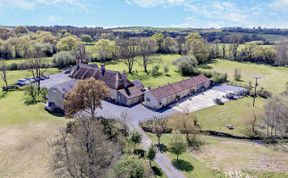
(31, 4)
(53, 18)
(153, 3)
(23, 4)
(280, 3)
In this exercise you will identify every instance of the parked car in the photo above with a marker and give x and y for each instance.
(68, 71)
(218, 101)
(23, 82)
(31, 80)
(232, 96)
(10, 88)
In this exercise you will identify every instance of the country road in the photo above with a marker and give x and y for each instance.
(161, 159)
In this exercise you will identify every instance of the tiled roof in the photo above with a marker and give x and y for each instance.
(64, 87)
(177, 87)
(131, 92)
(113, 79)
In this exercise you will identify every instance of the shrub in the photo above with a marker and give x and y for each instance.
(219, 78)
(155, 71)
(208, 74)
(13, 66)
(237, 74)
(131, 167)
(264, 93)
(63, 59)
(187, 65)
(166, 69)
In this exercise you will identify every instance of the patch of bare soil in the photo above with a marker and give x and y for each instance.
(25, 150)
(233, 155)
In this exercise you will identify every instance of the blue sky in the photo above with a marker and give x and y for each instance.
(160, 13)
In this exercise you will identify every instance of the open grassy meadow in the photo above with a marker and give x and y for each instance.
(194, 168)
(230, 155)
(172, 76)
(273, 78)
(25, 134)
(238, 113)
(13, 76)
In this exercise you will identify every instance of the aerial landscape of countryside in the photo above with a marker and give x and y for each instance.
(143, 88)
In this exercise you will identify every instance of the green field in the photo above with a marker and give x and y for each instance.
(198, 169)
(13, 76)
(273, 78)
(238, 113)
(148, 80)
(46, 60)
(13, 111)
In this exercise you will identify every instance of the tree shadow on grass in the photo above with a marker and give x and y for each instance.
(162, 147)
(157, 171)
(140, 153)
(182, 165)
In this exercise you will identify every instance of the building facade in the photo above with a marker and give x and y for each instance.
(163, 96)
(122, 91)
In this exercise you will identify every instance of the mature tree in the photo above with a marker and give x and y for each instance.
(128, 51)
(3, 70)
(31, 92)
(105, 49)
(186, 124)
(198, 47)
(44, 37)
(36, 65)
(248, 51)
(282, 53)
(276, 116)
(151, 154)
(159, 39)
(136, 138)
(132, 167)
(158, 126)
(20, 30)
(178, 144)
(124, 117)
(86, 38)
(235, 42)
(80, 54)
(187, 65)
(147, 47)
(170, 45)
(82, 150)
(180, 44)
(68, 43)
(217, 51)
(86, 96)
(63, 59)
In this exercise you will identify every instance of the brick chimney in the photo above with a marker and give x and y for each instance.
(102, 68)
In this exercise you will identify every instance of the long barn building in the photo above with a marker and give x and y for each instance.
(163, 96)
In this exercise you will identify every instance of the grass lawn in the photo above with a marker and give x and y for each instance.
(274, 78)
(252, 158)
(13, 111)
(197, 169)
(237, 113)
(226, 155)
(46, 60)
(13, 76)
(25, 134)
(148, 80)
